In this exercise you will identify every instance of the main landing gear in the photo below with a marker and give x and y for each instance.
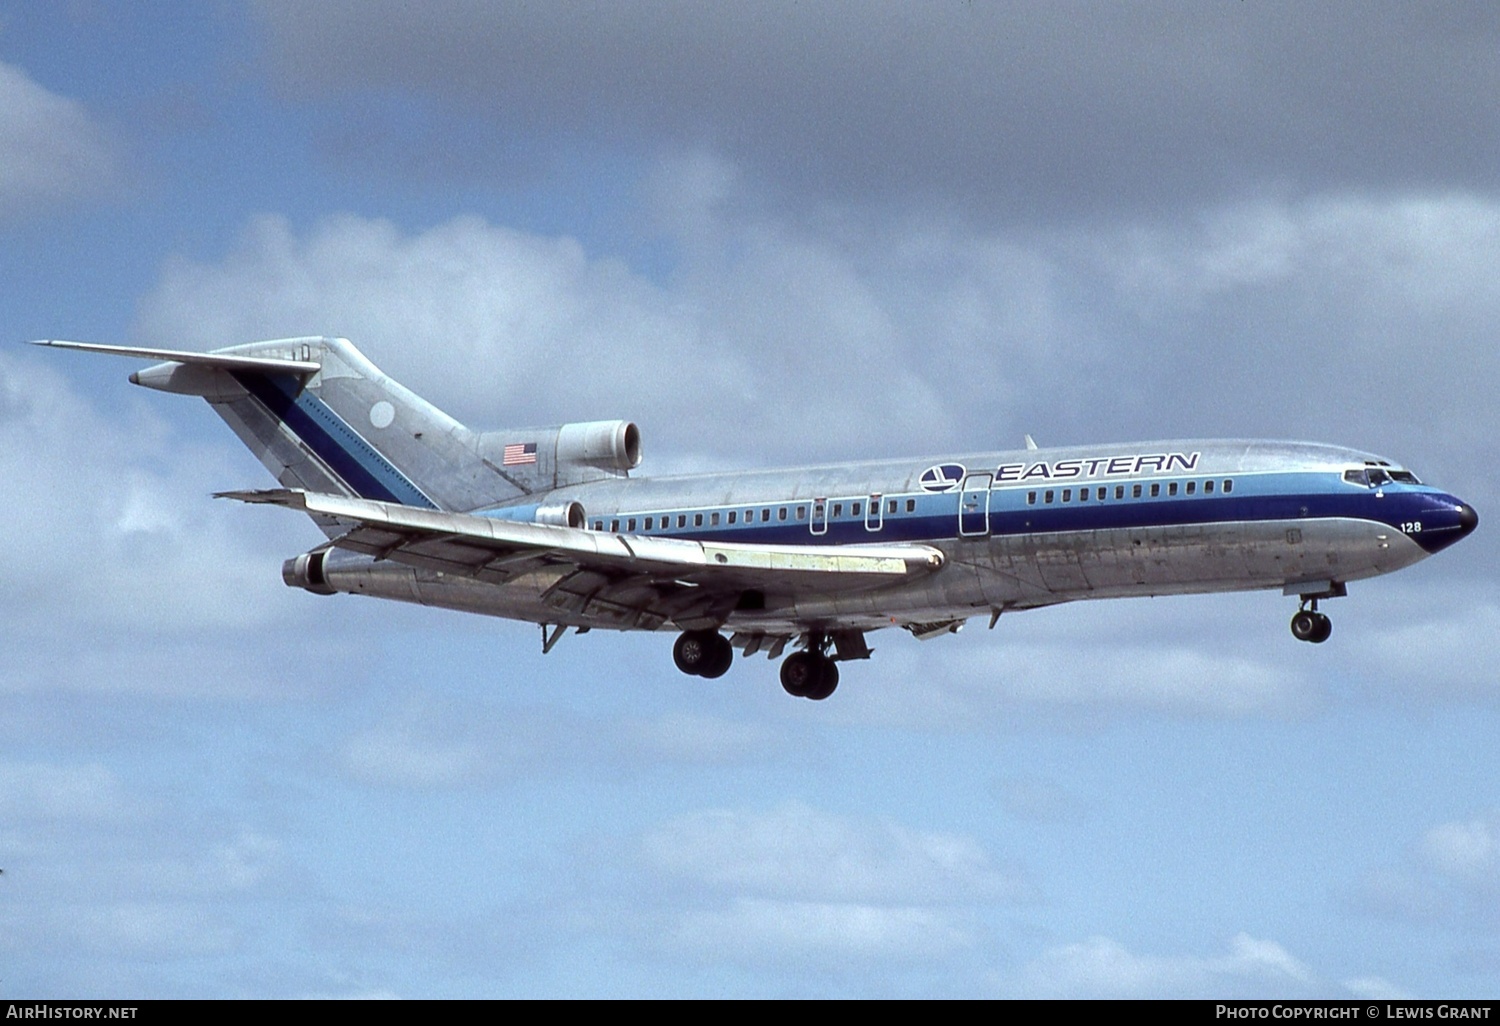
(703, 654)
(1311, 625)
(810, 673)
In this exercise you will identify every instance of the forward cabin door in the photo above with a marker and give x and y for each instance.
(974, 505)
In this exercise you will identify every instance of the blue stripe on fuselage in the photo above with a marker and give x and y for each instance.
(361, 466)
(1256, 498)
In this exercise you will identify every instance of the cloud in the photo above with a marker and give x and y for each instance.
(116, 555)
(1105, 968)
(51, 792)
(115, 502)
(1450, 878)
(798, 852)
(759, 931)
(506, 328)
(431, 744)
(795, 882)
(1099, 662)
(1010, 113)
(1466, 851)
(783, 339)
(51, 149)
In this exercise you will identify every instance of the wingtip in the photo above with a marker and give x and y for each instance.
(289, 497)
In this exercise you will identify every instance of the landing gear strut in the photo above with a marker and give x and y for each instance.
(703, 654)
(810, 673)
(1311, 625)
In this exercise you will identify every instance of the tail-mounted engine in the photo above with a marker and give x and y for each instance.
(307, 572)
(541, 459)
(612, 445)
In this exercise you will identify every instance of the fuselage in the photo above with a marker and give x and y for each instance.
(1033, 527)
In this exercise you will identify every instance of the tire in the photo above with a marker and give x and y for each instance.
(828, 680)
(1324, 629)
(1305, 626)
(799, 674)
(693, 651)
(720, 657)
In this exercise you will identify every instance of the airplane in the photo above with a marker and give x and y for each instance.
(547, 525)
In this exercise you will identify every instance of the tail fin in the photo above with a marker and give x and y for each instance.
(321, 416)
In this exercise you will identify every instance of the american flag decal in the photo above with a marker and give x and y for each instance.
(516, 455)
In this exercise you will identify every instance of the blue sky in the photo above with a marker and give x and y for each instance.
(768, 233)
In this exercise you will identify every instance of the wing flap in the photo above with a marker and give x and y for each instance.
(496, 550)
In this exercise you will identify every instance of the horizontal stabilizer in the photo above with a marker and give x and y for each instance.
(221, 361)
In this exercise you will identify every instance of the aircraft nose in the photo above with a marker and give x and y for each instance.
(1468, 519)
(1441, 525)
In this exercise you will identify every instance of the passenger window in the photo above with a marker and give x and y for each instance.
(731, 516)
(614, 525)
(1172, 488)
(1228, 486)
(838, 509)
(854, 508)
(1135, 492)
(1031, 498)
(682, 520)
(911, 505)
(890, 506)
(713, 519)
(1083, 495)
(630, 526)
(1208, 487)
(697, 519)
(598, 525)
(1067, 495)
(801, 512)
(1103, 492)
(1119, 491)
(1047, 497)
(650, 523)
(765, 515)
(1155, 489)
(1190, 486)
(781, 513)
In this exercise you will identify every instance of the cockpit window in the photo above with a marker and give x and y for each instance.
(1374, 477)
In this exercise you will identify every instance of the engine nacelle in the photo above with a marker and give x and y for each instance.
(306, 572)
(613, 445)
(561, 514)
(564, 514)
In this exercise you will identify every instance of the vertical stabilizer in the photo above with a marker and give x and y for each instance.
(343, 428)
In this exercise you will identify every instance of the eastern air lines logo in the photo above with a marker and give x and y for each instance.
(942, 478)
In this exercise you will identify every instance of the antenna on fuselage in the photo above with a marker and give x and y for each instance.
(1030, 442)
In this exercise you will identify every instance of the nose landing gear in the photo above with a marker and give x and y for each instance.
(1311, 625)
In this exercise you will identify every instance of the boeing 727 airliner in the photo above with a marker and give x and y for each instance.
(546, 525)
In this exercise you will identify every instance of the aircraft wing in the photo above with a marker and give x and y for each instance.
(629, 570)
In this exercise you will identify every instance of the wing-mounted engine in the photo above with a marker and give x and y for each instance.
(541, 459)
